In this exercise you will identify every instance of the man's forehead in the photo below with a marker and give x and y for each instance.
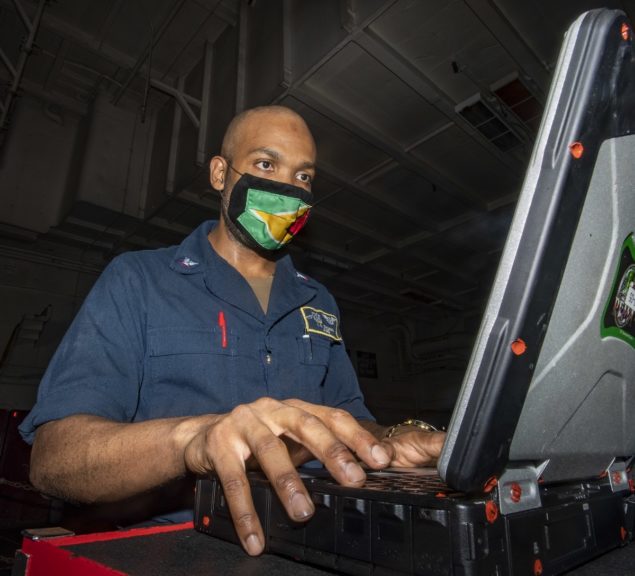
(266, 120)
(273, 134)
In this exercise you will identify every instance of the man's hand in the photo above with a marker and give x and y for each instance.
(414, 448)
(254, 431)
(74, 458)
(410, 446)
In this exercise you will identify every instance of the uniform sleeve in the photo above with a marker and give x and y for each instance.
(98, 367)
(341, 387)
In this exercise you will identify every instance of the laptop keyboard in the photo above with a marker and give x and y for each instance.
(412, 483)
(406, 483)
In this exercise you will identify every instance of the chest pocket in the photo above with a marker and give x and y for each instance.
(190, 372)
(314, 350)
(314, 354)
(177, 341)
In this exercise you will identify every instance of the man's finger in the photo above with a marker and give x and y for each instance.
(273, 457)
(241, 507)
(299, 453)
(309, 430)
(342, 425)
(228, 450)
(416, 448)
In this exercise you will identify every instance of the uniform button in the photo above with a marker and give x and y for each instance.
(268, 358)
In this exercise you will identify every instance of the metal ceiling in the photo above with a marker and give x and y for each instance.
(424, 112)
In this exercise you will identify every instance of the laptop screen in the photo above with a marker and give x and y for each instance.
(552, 373)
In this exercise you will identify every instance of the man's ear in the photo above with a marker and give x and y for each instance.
(217, 172)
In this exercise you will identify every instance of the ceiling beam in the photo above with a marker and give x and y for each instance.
(56, 66)
(532, 68)
(192, 36)
(207, 201)
(345, 118)
(7, 62)
(60, 27)
(48, 259)
(80, 238)
(392, 204)
(390, 246)
(427, 89)
(355, 264)
(155, 36)
(413, 312)
(170, 225)
(415, 79)
(108, 21)
(28, 24)
(25, 51)
(425, 235)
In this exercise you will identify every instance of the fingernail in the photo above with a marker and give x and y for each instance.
(379, 454)
(253, 545)
(354, 473)
(300, 506)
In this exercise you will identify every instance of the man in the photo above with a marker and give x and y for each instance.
(214, 355)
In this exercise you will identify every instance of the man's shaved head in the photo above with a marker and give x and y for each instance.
(239, 123)
(269, 142)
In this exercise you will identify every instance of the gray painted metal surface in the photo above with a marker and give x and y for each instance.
(578, 412)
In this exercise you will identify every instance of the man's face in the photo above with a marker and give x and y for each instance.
(274, 146)
(270, 145)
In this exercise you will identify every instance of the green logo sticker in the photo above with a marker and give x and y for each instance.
(619, 314)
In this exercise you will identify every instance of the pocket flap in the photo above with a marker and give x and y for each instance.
(171, 341)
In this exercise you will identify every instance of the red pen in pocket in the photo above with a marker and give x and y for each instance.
(223, 329)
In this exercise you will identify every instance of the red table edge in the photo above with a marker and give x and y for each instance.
(47, 557)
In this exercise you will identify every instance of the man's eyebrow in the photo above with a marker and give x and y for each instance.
(264, 150)
(276, 156)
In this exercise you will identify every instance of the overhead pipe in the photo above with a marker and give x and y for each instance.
(7, 62)
(32, 27)
(23, 15)
(182, 99)
(206, 99)
(163, 87)
(155, 38)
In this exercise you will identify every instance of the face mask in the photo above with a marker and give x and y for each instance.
(267, 213)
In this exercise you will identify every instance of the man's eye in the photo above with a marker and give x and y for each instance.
(264, 165)
(305, 178)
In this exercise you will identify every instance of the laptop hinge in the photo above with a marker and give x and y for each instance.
(618, 476)
(518, 488)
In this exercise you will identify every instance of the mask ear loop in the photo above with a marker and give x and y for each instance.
(234, 169)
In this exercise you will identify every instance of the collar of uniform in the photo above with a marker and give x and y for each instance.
(290, 289)
(190, 256)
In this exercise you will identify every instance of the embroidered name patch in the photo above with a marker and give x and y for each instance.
(320, 322)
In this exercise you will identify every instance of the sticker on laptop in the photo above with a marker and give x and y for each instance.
(320, 322)
(619, 314)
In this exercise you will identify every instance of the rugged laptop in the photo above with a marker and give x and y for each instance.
(535, 470)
